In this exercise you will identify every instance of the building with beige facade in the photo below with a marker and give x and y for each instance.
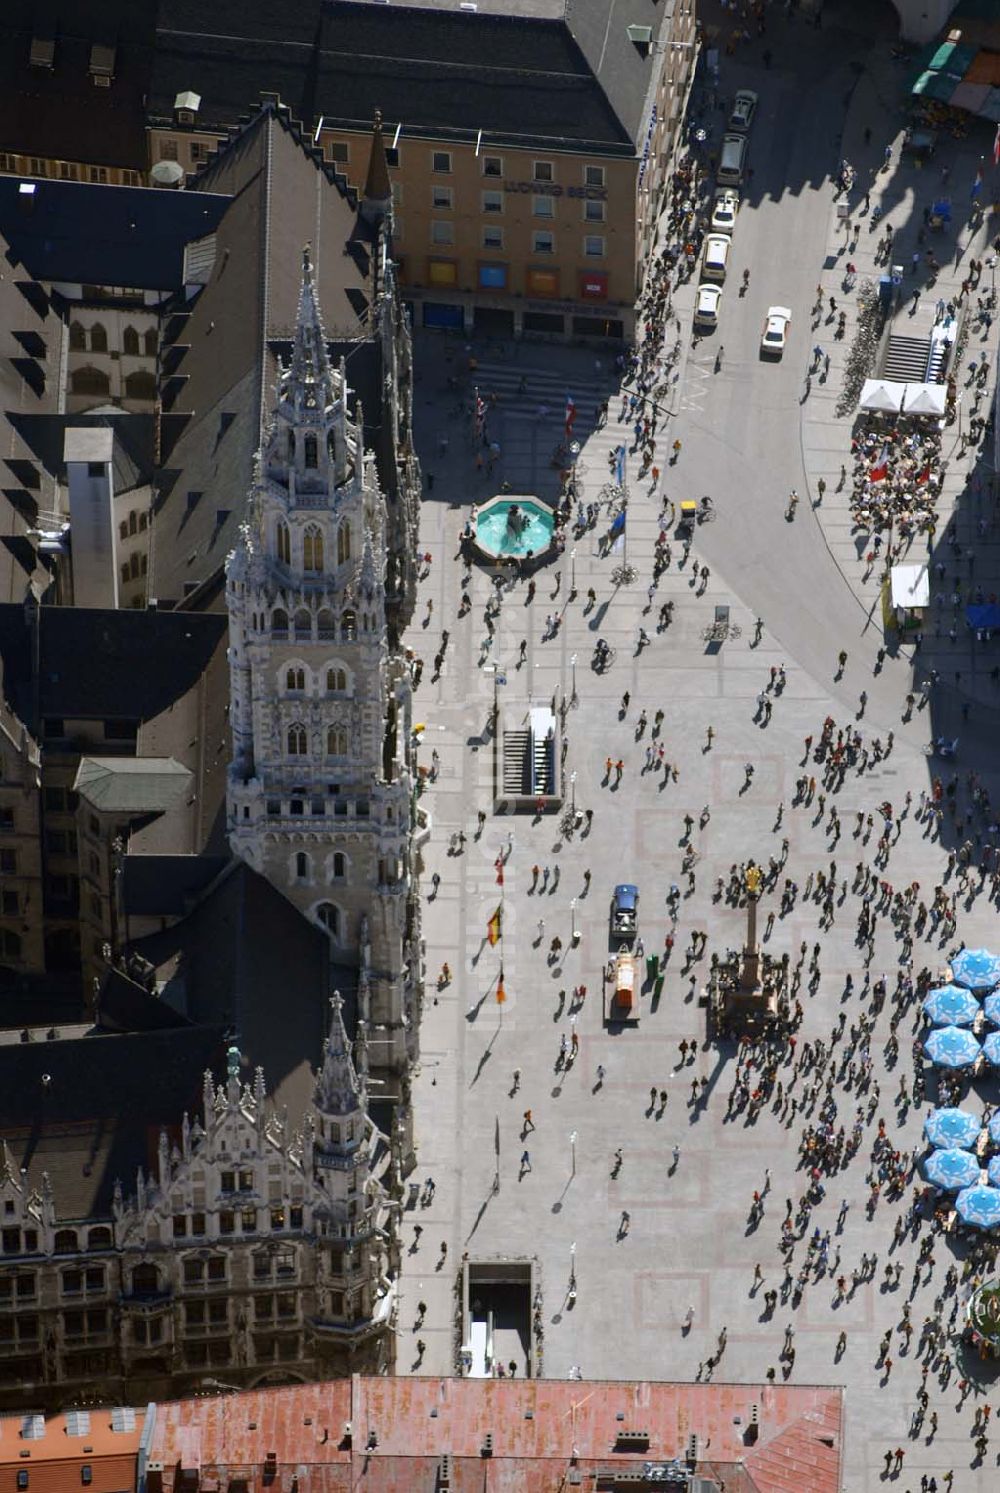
(528, 141)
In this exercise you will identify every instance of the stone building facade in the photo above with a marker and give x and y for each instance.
(249, 1250)
(320, 783)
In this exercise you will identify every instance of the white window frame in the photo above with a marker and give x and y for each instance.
(442, 232)
(543, 205)
(594, 210)
(494, 210)
(444, 155)
(493, 175)
(601, 173)
(537, 247)
(543, 171)
(442, 198)
(497, 242)
(595, 253)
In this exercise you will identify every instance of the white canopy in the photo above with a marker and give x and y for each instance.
(924, 399)
(880, 394)
(911, 585)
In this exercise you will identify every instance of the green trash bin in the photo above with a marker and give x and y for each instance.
(658, 987)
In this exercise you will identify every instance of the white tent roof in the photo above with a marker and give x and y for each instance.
(924, 399)
(911, 585)
(880, 394)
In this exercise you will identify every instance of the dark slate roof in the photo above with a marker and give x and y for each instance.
(124, 1005)
(104, 665)
(132, 454)
(99, 1116)
(59, 113)
(98, 235)
(283, 197)
(567, 77)
(167, 885)
(243, 955)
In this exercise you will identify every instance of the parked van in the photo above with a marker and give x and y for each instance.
(715, 258)
(733, 160)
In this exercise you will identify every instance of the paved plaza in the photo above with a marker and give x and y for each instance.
(687, 1171)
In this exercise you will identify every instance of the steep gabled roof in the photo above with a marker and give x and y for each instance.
(284, 196)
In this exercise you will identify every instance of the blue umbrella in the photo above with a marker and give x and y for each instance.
(991, 1008)
(979, 1205)
(994, 1171)
(951, 1169)
(976, 968)
(991, 1047)
(953, 1047)
(950, 1005)
(952, 1127)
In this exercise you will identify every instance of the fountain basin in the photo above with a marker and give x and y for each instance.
(514, 528)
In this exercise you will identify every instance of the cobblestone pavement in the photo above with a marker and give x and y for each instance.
(689, 1243)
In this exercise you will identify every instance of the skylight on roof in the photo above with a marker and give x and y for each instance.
(78, 1423)
(33, 1427)
(123, 1418)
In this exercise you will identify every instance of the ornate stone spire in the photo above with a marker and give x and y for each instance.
(338, 1091)
(310, 384)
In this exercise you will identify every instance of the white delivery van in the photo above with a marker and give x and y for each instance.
(732, 160)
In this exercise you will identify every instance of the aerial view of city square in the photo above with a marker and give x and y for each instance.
(499, 767)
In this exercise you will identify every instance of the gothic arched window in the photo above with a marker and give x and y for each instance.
(348, 626)
(297, 740)
(312, 549)
(291, 445)
(279, 622)
(331, 919)
(339, 865)
(295, 679)
(303, 624)
(77, 337)
(336, 741)
(284, 543)
(336, 679)
(149, 342)
(311, 451)
(98, 338)
(301, 866)
(327, 624)
(343, 543)
(130, 342)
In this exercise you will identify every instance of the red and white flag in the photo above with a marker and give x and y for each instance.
(880, 470)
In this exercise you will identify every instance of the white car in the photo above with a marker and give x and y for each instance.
(775, 333)
(727, 205)
(744, 109)
(706, 307)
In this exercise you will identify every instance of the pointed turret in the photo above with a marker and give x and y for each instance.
(377, 198)
(338, 1091)
(310, 384)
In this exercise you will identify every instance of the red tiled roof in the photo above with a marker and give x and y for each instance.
(533, 1423)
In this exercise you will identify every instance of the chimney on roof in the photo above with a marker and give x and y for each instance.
(377, 198)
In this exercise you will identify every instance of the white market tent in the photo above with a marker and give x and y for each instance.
(924, 399)
(881, 394)
(911, 586)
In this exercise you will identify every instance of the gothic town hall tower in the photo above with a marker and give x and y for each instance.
(319, 787)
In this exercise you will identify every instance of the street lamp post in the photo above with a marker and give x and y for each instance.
(572, 1152)
(574, 936)
(572, 791)
(573, 695)
(572, 575)
(572, 1273)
